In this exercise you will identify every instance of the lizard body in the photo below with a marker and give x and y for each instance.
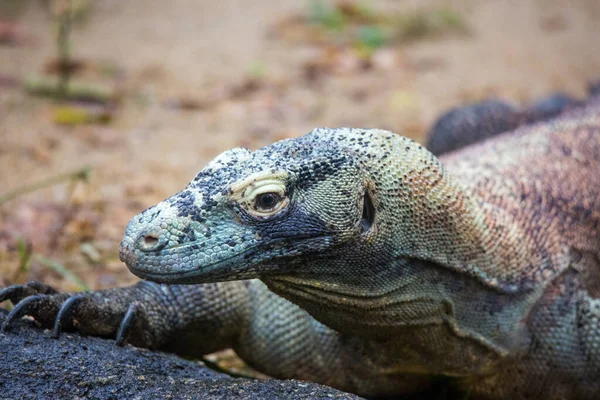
(380, 265)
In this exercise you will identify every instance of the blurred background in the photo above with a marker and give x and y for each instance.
(107, 107)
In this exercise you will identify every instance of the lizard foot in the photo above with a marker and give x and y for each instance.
(114, 313)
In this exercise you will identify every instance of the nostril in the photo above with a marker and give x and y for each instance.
(149, 242)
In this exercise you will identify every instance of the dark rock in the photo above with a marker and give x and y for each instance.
(33, 365)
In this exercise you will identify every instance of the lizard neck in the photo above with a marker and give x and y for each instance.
(425, 214)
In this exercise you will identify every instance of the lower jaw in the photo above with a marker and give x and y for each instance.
(174, 278)
(223, 270)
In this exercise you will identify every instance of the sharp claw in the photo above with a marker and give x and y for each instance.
(19, 291)
(63, 313)
(126, 324)
(11, 292)
(20, 310)
(5, 294)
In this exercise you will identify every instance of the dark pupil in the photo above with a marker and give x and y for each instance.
(267, 200)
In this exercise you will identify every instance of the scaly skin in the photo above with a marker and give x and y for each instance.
(371, 266)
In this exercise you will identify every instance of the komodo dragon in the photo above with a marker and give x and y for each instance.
(357, 259)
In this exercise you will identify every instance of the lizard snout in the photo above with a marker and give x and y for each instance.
(146, 233)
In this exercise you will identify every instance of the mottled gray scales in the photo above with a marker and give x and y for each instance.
(357, 259)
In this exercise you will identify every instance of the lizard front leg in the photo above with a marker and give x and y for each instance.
(191, 320)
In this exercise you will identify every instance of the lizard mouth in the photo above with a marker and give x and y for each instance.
(185, 263)
(179, 272)
(182, 263)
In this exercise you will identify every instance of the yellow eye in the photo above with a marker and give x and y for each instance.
(266, 201)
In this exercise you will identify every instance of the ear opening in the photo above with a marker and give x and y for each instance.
(368, 213)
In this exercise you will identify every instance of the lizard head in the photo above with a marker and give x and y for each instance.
(257, 214)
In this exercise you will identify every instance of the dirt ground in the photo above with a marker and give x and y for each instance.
(199, 77)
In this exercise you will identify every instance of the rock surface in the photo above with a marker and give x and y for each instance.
(33, 365)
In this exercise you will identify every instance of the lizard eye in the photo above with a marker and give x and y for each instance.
(266, 201)
(262, 197)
